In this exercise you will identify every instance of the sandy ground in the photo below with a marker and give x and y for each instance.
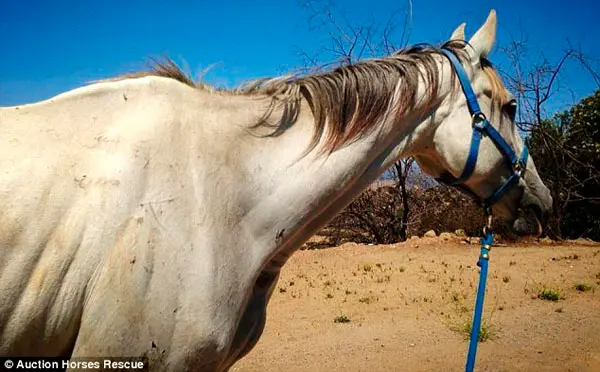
(407, 306)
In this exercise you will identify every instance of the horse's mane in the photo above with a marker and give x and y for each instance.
(351, 99)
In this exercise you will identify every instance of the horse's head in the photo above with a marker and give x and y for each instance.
(498, 169)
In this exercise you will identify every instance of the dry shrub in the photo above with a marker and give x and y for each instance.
(375, 217)
(444, 209)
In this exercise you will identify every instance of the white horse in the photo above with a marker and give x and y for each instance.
(150, 216)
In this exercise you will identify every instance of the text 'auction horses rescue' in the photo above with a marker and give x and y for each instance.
(150, 215)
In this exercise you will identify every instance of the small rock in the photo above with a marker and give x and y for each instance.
(411, 344)
(446, 236)
(460, 232)
(414, 237)
(430, 234)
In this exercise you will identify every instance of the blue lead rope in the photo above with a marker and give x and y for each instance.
(486, 244)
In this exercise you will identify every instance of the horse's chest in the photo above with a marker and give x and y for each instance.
(254, 317)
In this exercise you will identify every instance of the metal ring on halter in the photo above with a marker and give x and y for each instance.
(478, 117)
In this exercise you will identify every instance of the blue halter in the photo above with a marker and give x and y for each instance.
(517, 165)
(481, 126)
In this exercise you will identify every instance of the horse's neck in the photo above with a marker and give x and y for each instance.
(289, 197)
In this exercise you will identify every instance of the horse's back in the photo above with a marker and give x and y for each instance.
(65, 165)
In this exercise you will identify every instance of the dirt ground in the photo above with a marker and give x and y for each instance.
(404, 307)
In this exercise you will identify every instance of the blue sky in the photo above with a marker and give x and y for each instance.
(48, 47)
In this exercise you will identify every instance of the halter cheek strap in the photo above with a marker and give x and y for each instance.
(482, 126)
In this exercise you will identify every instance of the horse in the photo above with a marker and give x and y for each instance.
(149, 215)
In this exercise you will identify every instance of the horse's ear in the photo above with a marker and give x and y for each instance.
(483, 40)
(459, 33)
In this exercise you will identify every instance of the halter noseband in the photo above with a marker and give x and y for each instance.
(481, 125)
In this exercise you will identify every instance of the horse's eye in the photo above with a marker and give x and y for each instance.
(511, 109)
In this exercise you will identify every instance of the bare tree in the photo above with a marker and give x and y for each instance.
(401, 172)
(348, 43)
(536, 80)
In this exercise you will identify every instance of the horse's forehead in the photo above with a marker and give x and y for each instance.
(500, 94)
